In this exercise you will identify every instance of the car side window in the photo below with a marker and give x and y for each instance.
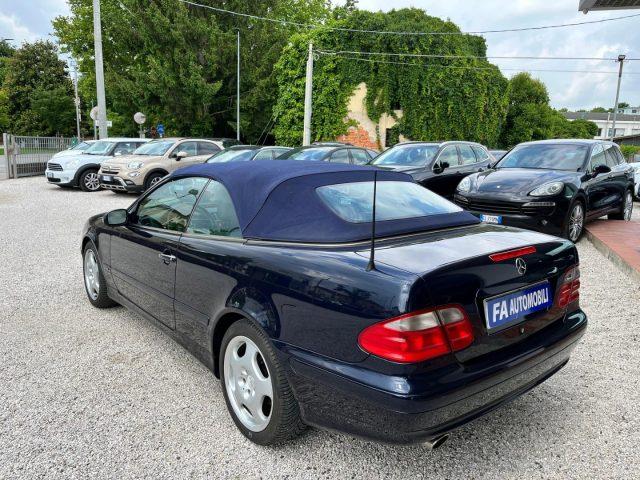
(207, 148)
(481, 153)
(373, 154)
(214, 214)
(190, 148)
(279, 151)
(597, 157)
(125, 148)
(266, 154)
(449, 155)
(168, 207)
(340, 156)
(610, 154)
(467, 157)
(360, 157)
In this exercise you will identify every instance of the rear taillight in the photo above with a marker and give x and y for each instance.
(419, 336)
(569, 291)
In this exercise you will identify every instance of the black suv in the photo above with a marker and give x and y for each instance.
(438, 166)
(331, 152)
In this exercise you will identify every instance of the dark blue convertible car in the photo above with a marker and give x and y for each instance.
(268, 273)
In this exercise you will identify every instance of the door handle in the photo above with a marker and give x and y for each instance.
(167, 258)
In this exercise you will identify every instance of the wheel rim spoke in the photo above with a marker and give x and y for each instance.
(91, 274)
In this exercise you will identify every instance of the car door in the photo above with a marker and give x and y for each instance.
(143, 261)
(209, 262)
(597, 186)
(190, 149)
(617, 179)
(469, 162)
(443, 182)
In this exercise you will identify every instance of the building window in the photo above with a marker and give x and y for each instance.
(599, 132)
(619, 132)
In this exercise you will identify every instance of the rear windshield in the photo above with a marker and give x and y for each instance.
(232, 156)
(407, 156)
(553, 157)
(309, 154)
(394, 201)
(154, 148)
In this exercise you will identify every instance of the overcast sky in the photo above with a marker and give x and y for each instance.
(30, 20)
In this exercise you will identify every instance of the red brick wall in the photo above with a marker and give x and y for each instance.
(359, 137)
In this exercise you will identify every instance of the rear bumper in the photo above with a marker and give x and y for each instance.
(352, 399)
(111, 182)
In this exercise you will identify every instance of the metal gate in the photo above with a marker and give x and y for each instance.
(26, 156)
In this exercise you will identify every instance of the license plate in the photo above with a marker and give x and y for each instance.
(107, 178)
(508, 309)
(497, 219)
(49, 175)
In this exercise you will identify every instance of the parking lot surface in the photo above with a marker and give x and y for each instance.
(103, 393)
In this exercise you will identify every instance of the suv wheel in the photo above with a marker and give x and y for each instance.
(575, 222)
(89, 180)
(153, 179)
(626, 209)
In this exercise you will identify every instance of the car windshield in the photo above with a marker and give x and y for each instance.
(308, 154)
(568, 157)
(80, 146)
(232, 156)
(154, 148)
(407, 156)
(394, 200)
(99, 148)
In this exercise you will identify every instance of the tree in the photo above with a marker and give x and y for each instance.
(177, 63)
(33, 69)
(599, 110)
(438, 98)
(54, 108)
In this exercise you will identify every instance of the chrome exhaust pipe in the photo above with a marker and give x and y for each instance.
(437, 442)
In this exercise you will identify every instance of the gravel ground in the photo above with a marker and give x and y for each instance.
(91, 393)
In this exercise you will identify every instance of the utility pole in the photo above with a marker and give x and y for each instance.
(76, 99)
(308, 97)
(615, 107)
(97, 42)
(238, 92)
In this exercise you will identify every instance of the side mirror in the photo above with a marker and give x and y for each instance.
(116, 217)
(181, 155)
(600, 169)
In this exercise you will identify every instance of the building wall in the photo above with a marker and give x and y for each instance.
(366, 133)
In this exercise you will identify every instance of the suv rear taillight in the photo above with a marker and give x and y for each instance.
(419, 336)
(569, 291)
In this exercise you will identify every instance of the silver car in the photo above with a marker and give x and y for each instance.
(81, 169)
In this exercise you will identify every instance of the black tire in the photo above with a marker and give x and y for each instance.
(623, 214)
(101, 299)
(89, 181)
(152, 179)
(568, 231)
(285, 423)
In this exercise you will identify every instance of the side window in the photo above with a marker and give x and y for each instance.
(618, 153)
(207, 148)
(279, 151)
(373, 154)
(266, 154)
(189, 147)
(467, 157)
(360, 157)
(125, 148)
(449, 156)
(215, 213)
(168, 207)
(597, 157)
(340, 156)
(610, 154)
(481, 153)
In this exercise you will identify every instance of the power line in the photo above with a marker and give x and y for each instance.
(470, 67)
(387, 32)
(478, 57)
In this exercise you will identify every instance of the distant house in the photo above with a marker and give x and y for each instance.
(629, 110)
(626, 124)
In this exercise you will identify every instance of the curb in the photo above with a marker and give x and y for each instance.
(614, 257)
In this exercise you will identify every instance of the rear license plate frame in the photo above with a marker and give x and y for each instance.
(519, 316)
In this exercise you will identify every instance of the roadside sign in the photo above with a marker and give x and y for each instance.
(160, 129)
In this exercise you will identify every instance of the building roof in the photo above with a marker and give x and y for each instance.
(603, 116)
(586, 5)
(277, 200)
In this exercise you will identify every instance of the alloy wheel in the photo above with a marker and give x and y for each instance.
(91, 181)
(91, 274)
(628, 206)
(154, 180)
(248, 383)
(576, 221)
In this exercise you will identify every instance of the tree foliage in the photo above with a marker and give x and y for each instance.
(36, 95)
(439, 99)
(177, 63)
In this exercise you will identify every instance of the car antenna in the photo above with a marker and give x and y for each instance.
(372, 265)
